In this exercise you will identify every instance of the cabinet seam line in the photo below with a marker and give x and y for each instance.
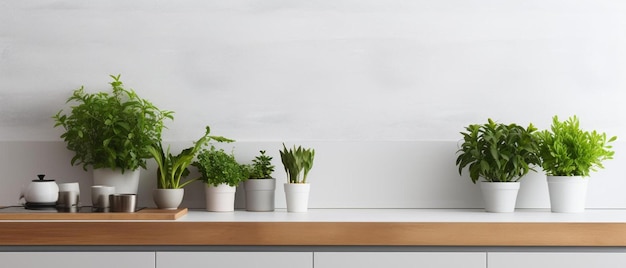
(487, 259)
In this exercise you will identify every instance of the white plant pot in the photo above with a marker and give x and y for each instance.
(567, 193)
(499, 196)
(168, 199)
(297, 195)
(220, 198)
(260, 194)
(126, 183)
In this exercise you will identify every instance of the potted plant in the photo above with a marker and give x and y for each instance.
(297, 163)
(221, 174)
(568, 155)
(173, 168)
(260, 186)
(501, 155)
(111, 132)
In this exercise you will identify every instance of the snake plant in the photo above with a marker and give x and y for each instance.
(297, 163)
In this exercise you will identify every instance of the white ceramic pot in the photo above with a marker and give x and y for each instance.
(297, 195)
(260, 194)
(220, 198)
(168, 198)
(126, 183)
(73, 187)
(100, 196)
(499, 196)
(567, 193)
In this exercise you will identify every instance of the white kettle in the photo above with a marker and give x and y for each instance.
(40, 191)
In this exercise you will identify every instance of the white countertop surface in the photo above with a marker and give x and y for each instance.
(391, 216)
(409, 215)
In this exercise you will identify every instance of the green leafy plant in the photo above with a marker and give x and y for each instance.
(498, 152)
(172, 168)
(217, 167)
(261, 167)
(567, 150)
(111, 130)
(297, 163)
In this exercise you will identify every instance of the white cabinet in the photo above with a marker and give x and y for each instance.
(77, 259)
(556, 259)
(313, 259)
(234, 259)
(400, 259)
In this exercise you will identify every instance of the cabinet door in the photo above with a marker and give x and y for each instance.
(400, 259)
(556, 259)
(77, 259)
(234, 259)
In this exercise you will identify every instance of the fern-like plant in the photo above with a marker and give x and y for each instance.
(297, 163)
(217, 167)
(567, 150)
(498, 152)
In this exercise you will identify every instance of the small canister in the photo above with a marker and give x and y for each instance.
(123, 202)
(67, 201)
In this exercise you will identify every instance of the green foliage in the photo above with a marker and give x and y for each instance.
(297, 163)
(567, 150)
(261, 167)
(217, 167)
(498, 152)
(172, 168)
(111, 130)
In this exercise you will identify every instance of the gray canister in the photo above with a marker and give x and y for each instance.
(123, 202)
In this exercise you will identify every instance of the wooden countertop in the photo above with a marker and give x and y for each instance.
(336, 227)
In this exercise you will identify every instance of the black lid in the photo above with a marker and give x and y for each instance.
(40, 176)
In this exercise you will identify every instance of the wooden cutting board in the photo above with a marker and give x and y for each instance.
(142, 214)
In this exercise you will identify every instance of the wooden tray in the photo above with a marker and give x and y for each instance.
(142, 214)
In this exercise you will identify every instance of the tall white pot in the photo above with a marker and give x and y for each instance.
(220, 198)
(297, 195)
(499, 196)
(126, 183)
(567, 193)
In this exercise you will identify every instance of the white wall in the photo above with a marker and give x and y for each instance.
(382, 87)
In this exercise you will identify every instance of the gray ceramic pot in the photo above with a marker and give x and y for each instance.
(260, 194)
(168, 198)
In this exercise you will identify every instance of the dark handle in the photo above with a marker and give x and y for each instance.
(41, 176)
